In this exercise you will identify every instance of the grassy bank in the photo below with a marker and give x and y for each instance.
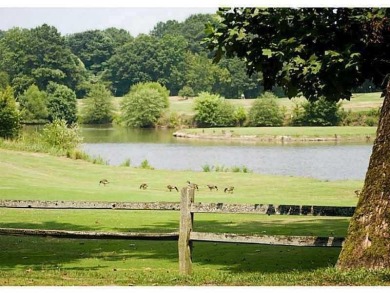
(49, 261)
(285, 134)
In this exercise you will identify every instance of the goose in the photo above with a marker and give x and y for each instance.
(104, 182)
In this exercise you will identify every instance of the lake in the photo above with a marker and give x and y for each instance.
(325, 161)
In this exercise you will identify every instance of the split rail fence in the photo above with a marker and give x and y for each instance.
(186, 235)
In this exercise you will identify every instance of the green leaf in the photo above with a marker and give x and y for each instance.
(267, 52)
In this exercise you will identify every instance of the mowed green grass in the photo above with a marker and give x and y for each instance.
(50, 261)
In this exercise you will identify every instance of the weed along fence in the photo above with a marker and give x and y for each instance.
(186, 234)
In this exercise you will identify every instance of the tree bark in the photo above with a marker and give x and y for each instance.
(367, 244)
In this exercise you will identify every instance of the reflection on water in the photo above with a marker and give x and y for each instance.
(323, 161)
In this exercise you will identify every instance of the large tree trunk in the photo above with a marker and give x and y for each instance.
(367, 244)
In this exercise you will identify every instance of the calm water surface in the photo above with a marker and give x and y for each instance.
(328, 161)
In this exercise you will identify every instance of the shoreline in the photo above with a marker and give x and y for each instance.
(274, 138)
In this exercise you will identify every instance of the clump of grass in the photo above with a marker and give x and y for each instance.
(222, 168)
(126, 163)
(207, 168)
(145, 165)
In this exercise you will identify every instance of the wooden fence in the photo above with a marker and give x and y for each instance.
(186, 235)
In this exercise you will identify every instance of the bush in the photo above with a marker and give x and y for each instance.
(33, 104)
(318, 113)
(213, 111)
(145, 165)
(144, 105)
(169, 120)
(186, 92)
(62, 103)
(363, 118)
(240, 115)
(9, 114)
(61, 136)
(98, 106)
(265, 111)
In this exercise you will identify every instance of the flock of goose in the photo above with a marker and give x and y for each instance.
(144, 186)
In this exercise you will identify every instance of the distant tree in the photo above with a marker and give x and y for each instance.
(201, 74)
(318, 113)
(9, 114)
(133, 63)
(148, 59)
(193, 30)
(265, 111)
(170, 27)
(93, 47)
(186, 92)
(38, 56)
(213, 111)
(33, 105)
(62, 103)
(144, 105)
(237, 81)
(98, 108)
(119, 37)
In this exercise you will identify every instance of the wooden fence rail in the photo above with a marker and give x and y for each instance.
(186, 235)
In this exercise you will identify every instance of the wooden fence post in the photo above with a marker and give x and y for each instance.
(186, 221)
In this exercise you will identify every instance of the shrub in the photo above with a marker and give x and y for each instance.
(169, 120)
(98, 106)
(61, 136)
(240, 115)
(213, 111)
(33, 104)
(362, 118)
(318, 113)
(186, 92)
(145, 165)
(9, 114)
(126, 163)
(144, 105)
(265, 111)
(61, 103)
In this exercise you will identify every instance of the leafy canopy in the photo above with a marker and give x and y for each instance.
(312, 52)
(99, 108)
(144, 105)
(213, 111)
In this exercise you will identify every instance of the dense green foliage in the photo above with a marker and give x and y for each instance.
(9, 114)
(265, 111)
(61, 136)
(98, 108)
(38, 56)
(144, 105)
(287, 46)
(318, 113)
(33, 105)
(61, 103)
(213, 111)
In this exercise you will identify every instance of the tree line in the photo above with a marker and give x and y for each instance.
(172, 54)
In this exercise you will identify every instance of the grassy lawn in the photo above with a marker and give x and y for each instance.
(51, 261)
